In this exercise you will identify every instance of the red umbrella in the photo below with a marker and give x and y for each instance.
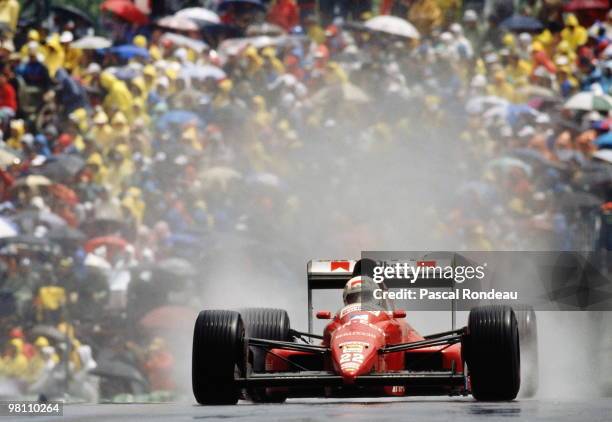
(588, 11)
(576, 5)
(125, 10)
(168, 317)
(110, 242)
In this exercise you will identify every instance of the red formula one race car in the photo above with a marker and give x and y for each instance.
(367, 349)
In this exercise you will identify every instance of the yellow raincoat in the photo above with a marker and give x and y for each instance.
(55, 57)
(15, 366)
(425, 15)
(575, 34)
(9, 13)
(134, 203)
(17, 132)
(118, 95)
(100, 174)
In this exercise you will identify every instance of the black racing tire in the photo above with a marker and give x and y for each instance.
(269, 324)
(218, 357)
(493, 353)
(528, 339)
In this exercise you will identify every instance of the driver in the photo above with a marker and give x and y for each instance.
(359, 289)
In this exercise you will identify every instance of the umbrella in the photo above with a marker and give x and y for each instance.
(199, 14)
(25, 243)
(264, 28)
(533, 157)
(393, 25)
(125, 10)
(203, 72)
(102, 226)
(177, 267)
(48, 331)
(479, 104)
(177, 118)
(177, 23)
(7, 228)
(32, 181)
(8, 157)
(106, 241)
(72, 13)
(61, 168)
(96, 261)
(127, 51)
(28, 219)
(346, 92)
(506, 163)
(168, 317)
(91, 42)
(66, 233)
(604, 155)
(604, 141)
(536, 91)
(579, 200)
(183, 41)
(219, 176)
(580, 5)
(519, 23)
(588, 101)
(235, 45)
(256, 4)
(125, 73)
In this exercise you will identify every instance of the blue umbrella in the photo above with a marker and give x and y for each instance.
(518, 23)
(176, 118)
(127, 51)
(604, 141)
(253, 3)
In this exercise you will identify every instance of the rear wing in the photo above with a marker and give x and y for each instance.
(333, 274)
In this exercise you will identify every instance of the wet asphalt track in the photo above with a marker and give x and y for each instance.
(409, 409)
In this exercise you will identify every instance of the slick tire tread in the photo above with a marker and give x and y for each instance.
(266, 323)
(218, 351)
(269, 324)
(493, 353)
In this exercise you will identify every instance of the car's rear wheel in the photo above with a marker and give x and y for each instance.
(218, 357)
(528, 339)
(269, 324)
(493, 353)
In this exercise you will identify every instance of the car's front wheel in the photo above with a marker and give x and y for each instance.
(492, 353)
(218, 357)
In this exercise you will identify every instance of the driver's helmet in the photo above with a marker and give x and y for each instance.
(359, 289)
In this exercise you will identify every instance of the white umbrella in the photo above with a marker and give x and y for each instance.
(235, 45)
(199, 13)
(394, 26)
(203, 72)
(604, 155)
(183, 41)
(33, 180)
(8, 157)
(588, 101)
(177, 23)
(7, 228)
(91, 42)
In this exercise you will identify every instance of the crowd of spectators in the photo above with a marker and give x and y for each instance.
(150, 146)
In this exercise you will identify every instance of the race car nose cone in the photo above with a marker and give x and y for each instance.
(354, 348)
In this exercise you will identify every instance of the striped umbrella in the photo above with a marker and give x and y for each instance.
(588, 101)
